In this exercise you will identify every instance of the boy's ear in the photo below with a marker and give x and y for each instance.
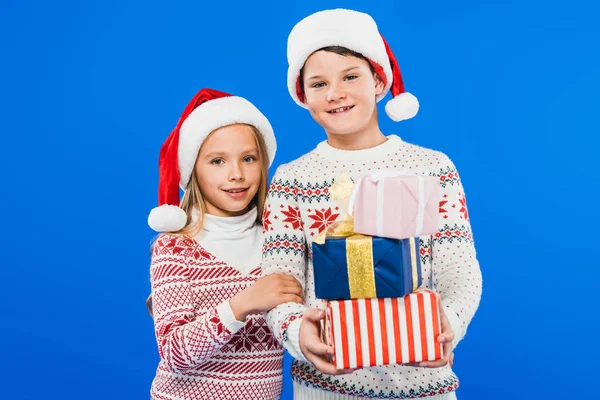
(379, 85)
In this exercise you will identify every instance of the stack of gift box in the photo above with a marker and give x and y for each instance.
(368, 269)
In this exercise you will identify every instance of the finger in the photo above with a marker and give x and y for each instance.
(434, 364)
(292, 298)
(445, 337)
(440, 363)
(280, 278)
(348, 370)
(443, 319)
(413, 364)
(313, 315)
(448, 350)
(291, 279)
(315, 346)
(295, 289)
(445, 322)
(447, 329)
(288, 278)
(325, 366)
(447, 353)
(447, 334)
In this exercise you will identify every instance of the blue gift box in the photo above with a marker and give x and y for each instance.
(360, 266)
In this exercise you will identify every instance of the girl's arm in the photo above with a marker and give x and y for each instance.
(185, 338)
(457, 277)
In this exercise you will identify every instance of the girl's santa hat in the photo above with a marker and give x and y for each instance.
(206, 112)
(355, 31)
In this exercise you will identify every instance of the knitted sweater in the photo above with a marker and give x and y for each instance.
(299, 207)
(205, 353)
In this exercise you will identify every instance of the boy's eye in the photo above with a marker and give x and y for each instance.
(217, 161)
(317, 85)
(351, 77)
(249, 158)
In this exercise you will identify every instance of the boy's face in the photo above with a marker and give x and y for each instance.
(340, 92)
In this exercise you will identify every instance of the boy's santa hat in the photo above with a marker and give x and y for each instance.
(206, 112)
(355, 31)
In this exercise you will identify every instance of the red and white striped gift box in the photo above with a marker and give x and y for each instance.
(369, 332)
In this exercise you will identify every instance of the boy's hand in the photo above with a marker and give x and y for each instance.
(445, 338)
(311, 345)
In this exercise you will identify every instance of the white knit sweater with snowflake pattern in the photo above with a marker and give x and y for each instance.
(299, 207)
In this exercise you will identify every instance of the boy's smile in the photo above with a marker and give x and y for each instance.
(340, 110)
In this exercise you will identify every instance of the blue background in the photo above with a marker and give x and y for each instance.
(508, 89)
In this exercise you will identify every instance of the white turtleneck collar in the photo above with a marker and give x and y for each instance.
(234, 240)
(379, 152)
(230, 225)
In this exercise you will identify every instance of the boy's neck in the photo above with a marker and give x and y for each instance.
(358, 140)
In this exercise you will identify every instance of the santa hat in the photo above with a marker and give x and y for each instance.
(206, 112)
(355, 31)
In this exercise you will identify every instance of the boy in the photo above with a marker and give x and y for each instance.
(339, 68)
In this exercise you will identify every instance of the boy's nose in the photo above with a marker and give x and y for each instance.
(335, 93)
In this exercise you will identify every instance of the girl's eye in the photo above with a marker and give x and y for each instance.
(217, 161)
(249, 158)
(317, 85)
(351, 77)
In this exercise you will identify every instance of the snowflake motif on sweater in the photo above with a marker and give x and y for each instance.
(448, 257)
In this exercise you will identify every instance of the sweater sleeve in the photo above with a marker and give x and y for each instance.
(285, 251)
(185, 337)
(456, 272)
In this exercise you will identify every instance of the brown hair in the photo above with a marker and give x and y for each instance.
(193, 199)
(342, 51)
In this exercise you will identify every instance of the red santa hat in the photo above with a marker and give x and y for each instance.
(355, 31)
(206, 112)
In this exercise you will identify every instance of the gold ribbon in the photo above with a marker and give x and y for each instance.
(361, 274)
(413, 262)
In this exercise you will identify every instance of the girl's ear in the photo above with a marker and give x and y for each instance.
(379, 86)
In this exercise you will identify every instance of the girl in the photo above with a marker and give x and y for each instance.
(207, 297)
(339, 68)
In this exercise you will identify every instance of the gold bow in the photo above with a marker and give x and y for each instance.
(340, 191)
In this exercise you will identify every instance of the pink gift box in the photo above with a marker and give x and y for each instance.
(392, 204)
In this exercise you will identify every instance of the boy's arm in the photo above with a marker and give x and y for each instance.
(285, 251)
(457, 277)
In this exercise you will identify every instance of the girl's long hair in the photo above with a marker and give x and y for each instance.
(193, 201)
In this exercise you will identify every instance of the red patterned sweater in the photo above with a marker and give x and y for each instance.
(299, 207)
(205, 353)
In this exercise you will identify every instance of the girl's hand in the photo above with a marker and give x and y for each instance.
(266, 293)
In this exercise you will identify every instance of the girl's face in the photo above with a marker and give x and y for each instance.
(228, 170)
(340, 92)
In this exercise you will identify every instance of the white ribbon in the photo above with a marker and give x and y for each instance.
(379, 177)
(420, 207)
(380, 186)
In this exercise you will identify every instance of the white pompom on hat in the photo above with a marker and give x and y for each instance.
(355, 31)
(206, 112)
